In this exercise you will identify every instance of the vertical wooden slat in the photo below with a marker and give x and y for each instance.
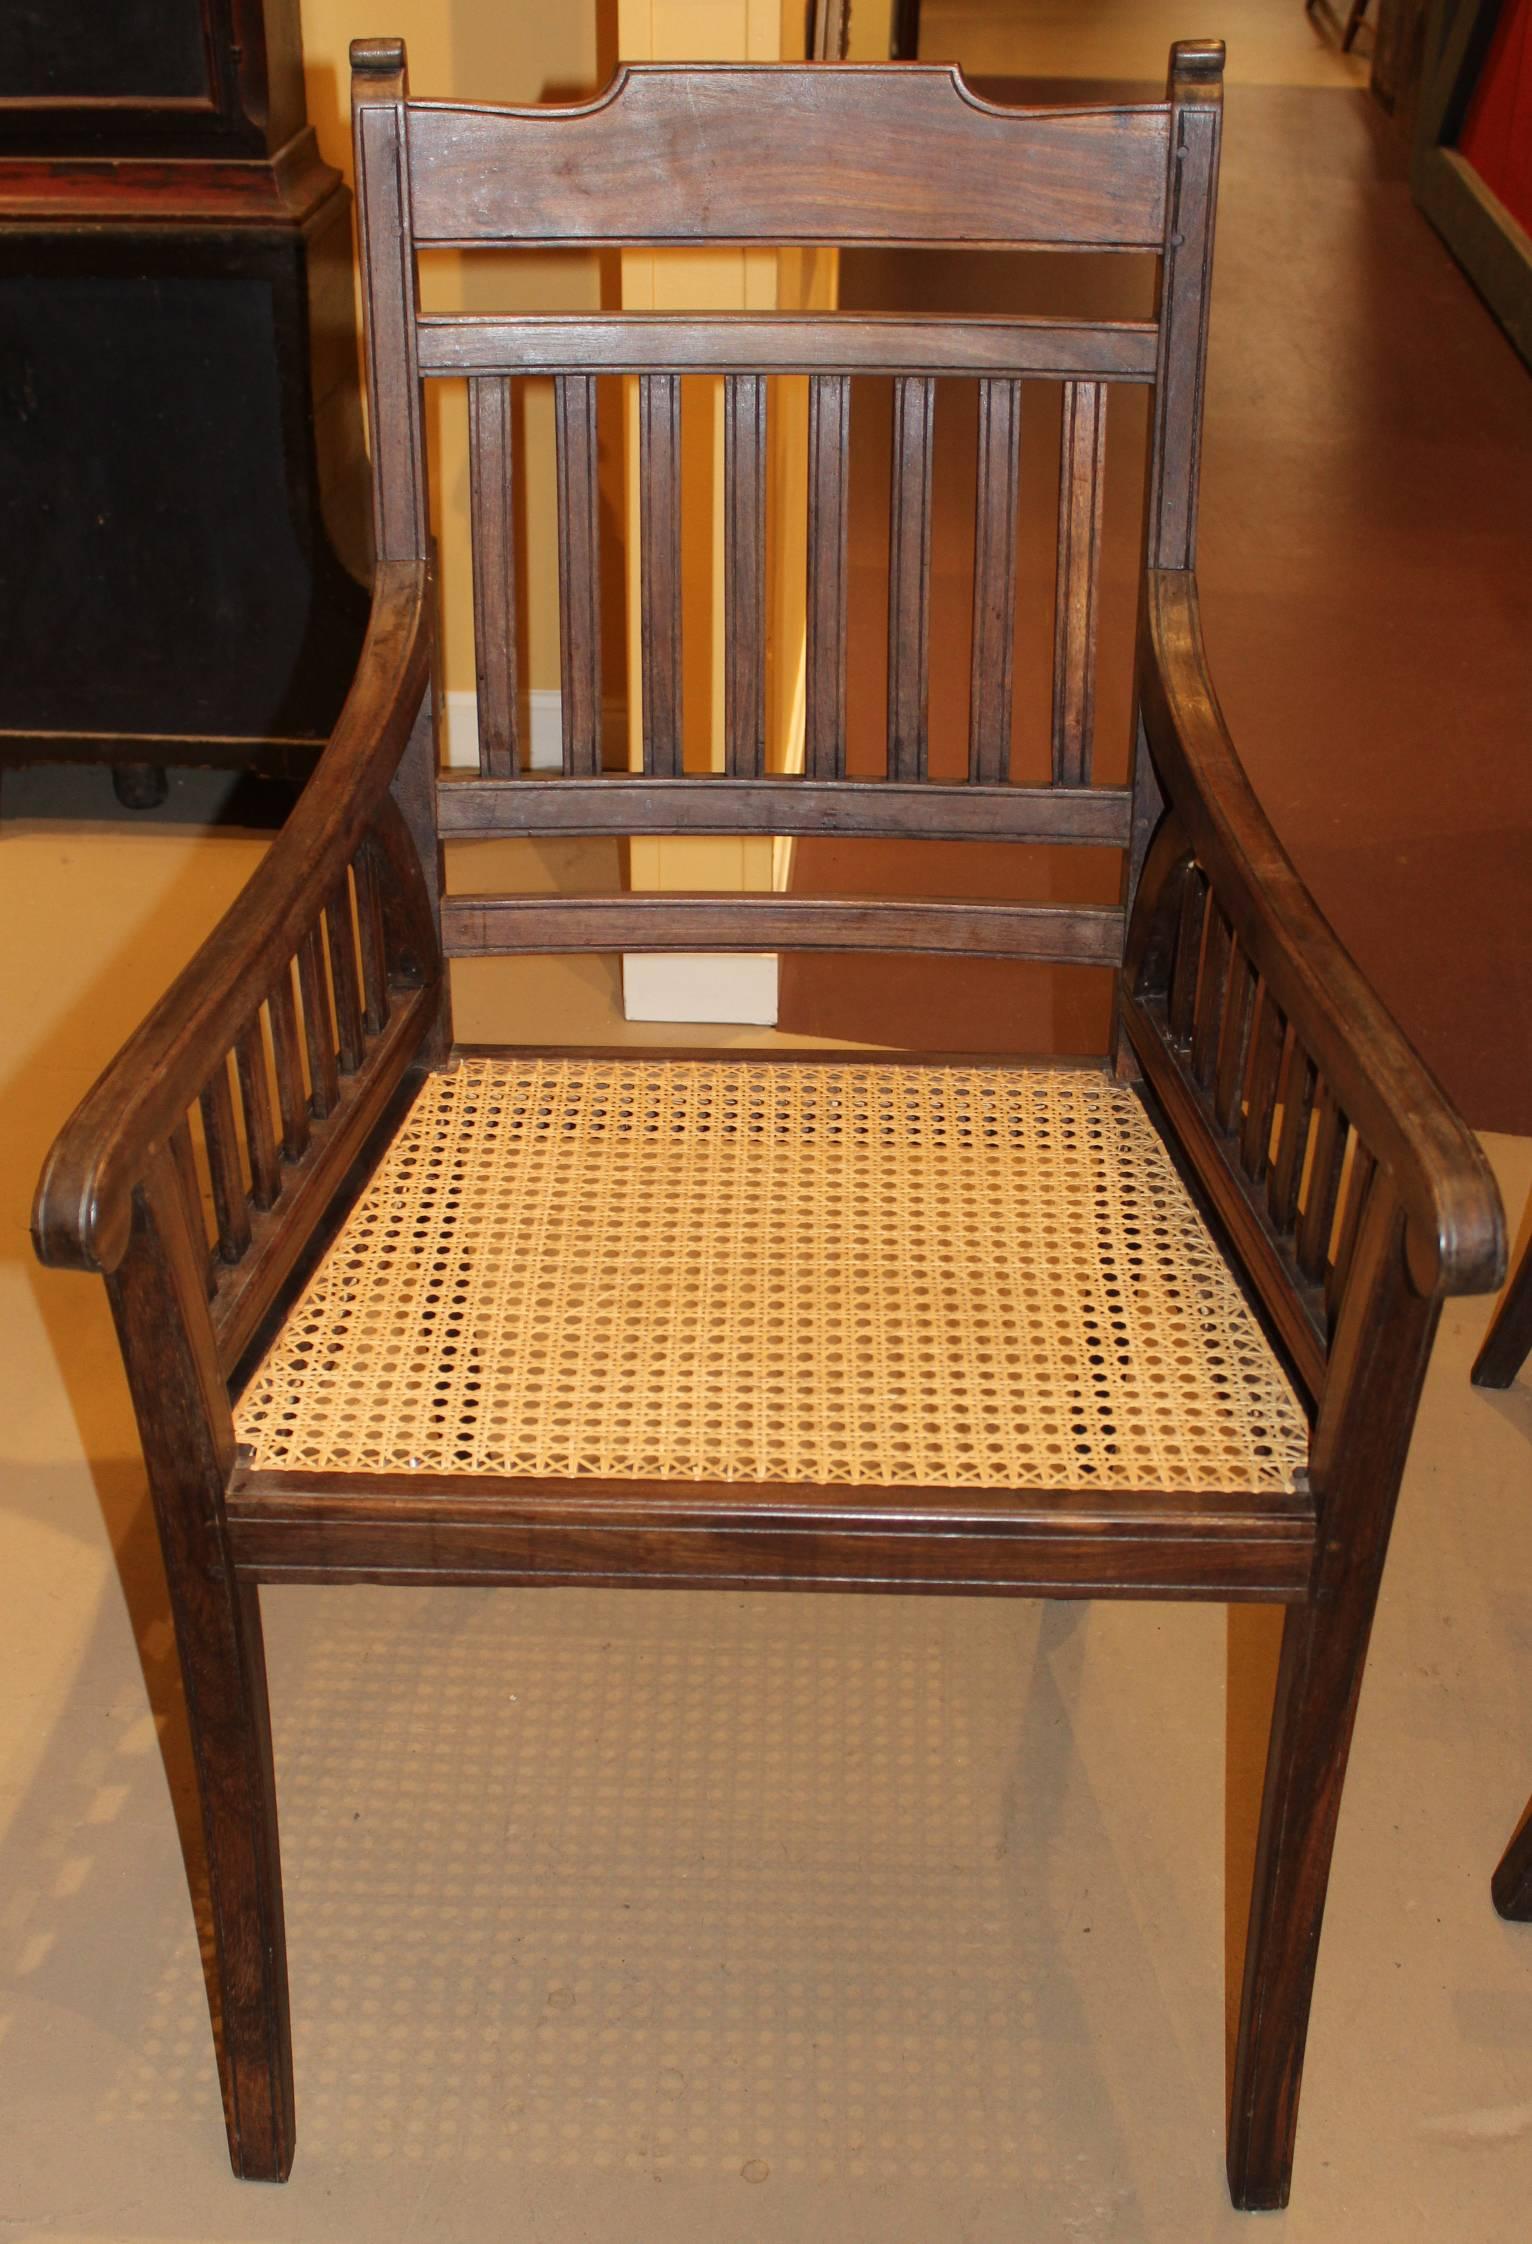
(255, 1097)
(369, 926)
(579, 572)
(319, 1035)
(994, 582)
(1358, 1185)
(1233, 1038)
(1074, 630)
(229, 1204)
(1261, 1086)
(1210, 996)
(494, 574)
(292, 1099)
(744, 560)
(371, 941)
(1295, 1098)
(659, 445)
(1318, 1212)
(829, 436)
(1188, 958)
(909, 578)
(343, 980)
(185, 1161)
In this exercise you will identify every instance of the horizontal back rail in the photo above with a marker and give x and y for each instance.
(715, 804)
(731, 153)
(785, 343)
(1083, 934)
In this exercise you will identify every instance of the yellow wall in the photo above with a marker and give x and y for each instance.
(494, 50)
(872, 24)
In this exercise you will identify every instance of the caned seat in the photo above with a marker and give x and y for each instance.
(847, 1276)
(1151, 1326)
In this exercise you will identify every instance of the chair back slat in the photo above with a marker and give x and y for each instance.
(579, 509)
(659, 422)
(994, 582)
(727, 153)
(825, 658)
(1079, 548)
(744, 586)
(909, 577)
(494, 567)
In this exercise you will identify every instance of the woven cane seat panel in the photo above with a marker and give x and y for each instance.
(852, 1275)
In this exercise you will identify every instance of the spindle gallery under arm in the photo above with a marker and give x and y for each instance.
(1152, 1328)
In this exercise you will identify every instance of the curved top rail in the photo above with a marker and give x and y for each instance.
(817, 152)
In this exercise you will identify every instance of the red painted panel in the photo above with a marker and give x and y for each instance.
(1497, 132)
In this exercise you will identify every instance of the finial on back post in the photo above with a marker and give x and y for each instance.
(378, 58)
(1196, 70)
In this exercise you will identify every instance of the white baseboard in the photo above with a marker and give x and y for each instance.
(739, 986)
(542, 727)
(541, 719)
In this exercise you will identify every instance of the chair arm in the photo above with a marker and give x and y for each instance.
(83, 1211)
(1455, 1226)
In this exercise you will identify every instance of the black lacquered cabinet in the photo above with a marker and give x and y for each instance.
(183, 493)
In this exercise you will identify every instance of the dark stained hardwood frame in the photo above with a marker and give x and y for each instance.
(1351, 1200)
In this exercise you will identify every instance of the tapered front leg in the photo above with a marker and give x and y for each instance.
(1317, 1686)
(1376, 1368)
(183, 1417)
(223, 1663)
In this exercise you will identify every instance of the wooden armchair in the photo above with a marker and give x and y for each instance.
(1154, 1327)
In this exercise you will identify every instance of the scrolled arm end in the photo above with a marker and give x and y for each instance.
(1464, 1251)
(75, 1224)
